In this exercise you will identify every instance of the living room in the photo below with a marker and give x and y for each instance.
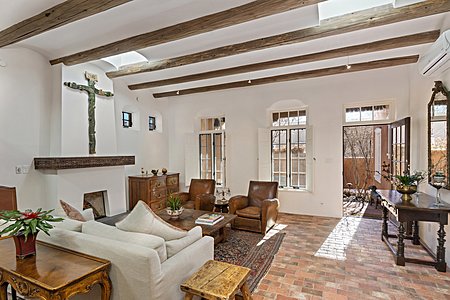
(42, 117)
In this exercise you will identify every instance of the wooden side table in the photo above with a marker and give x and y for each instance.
(217, 280)
(421, 209)
(53, 273)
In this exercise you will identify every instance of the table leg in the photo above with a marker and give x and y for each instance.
(440, 253)
(4, 291)
(384, 228)
(400, 255)
(188, 296)
(105, 285)
(246, 291)
(416, 239)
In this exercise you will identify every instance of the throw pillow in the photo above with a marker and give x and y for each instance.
(110, 232)
(143, 219)
(175, 246)
(88, 214)
(68, 224)
(71, 211)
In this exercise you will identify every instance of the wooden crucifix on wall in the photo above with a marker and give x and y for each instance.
(92, 91)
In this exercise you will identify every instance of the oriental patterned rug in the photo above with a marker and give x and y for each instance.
(251, 250)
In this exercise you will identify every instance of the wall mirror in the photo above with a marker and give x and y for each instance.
(438, 129)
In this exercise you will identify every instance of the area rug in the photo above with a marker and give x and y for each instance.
(241, 248)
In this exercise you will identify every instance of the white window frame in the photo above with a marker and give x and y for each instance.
(288, 129)
(215, 170)
(390, 118)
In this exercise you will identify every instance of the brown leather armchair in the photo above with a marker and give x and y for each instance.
(259, 210)
(200, 195)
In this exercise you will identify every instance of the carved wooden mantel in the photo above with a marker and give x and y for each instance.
(60, 163)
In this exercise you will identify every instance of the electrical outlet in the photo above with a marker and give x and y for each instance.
(25, 169)
(18, 169)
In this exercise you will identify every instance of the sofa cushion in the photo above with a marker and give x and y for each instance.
(251, 212)
(143, 219)
(68, 224)
(175, 246)
(88, 214)
(146, 240)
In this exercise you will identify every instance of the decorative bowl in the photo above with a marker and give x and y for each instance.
(406, 191)
(174, 214)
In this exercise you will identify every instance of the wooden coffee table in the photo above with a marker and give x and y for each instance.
(187, 219)
(53, 273)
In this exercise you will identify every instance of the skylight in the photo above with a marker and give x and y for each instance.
(334, 8)
(124, 59)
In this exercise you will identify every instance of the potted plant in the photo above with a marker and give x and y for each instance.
(174, 207)
(407, 184)
(25, 226)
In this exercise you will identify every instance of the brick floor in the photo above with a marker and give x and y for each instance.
(328, 258)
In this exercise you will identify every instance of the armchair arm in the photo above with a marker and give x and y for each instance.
(237, 202)
(184, 196)
(205, 202)
(269, 211)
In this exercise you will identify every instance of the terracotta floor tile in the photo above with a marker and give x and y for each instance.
(343, 259)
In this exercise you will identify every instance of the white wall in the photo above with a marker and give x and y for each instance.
(245, 112)
(26, 93)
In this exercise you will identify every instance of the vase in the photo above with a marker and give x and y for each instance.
(25, 248)
(174, 214)
(406, 191)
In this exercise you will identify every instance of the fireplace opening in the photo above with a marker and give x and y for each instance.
(96, 201)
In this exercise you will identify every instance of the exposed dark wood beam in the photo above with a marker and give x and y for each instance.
(59, 15)
(384, 63)
(236, 15)
(405, 41)
(369, 18)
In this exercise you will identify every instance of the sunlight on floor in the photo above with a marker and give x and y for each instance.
(275, 229)
(337, 242)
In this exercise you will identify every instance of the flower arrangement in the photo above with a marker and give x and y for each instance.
(27, 222)
(407, 179)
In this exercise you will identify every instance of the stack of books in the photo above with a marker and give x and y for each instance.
(209, 219)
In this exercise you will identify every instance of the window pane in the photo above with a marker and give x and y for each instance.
(302, 165)
(366, 113)
(275, 119)
(284, 118)
(381, 112)
(279, 156)
(302, 117)
(352, 115)
(293, 118)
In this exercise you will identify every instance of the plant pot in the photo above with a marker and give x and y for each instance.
(406, 191)
(25, 248)
(174, 214)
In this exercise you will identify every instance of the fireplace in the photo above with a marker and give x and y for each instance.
(96, 201)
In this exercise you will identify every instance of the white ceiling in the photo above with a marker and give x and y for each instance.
(140, 16)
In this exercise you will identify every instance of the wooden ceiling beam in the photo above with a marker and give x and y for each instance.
(377, 64)
(393, 43)
(236, 15)
(373, 17)
(57, 16)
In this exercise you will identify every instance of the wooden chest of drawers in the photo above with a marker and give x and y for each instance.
(153, 190)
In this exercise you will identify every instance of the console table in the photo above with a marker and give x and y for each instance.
(420, 208)
(53, 273)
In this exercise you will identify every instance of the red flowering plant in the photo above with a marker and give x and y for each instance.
(27, 222)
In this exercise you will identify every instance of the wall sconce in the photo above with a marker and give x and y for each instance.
(151, 123)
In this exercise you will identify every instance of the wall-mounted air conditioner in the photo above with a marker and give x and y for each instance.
(437, 59)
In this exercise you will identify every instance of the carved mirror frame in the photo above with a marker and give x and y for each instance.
(440, 94)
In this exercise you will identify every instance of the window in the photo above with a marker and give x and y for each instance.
(127, 120)
(367, 114)
(212, 149)
(288, 136)
(151, 123)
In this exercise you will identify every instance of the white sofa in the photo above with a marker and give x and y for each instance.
(142, 266)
